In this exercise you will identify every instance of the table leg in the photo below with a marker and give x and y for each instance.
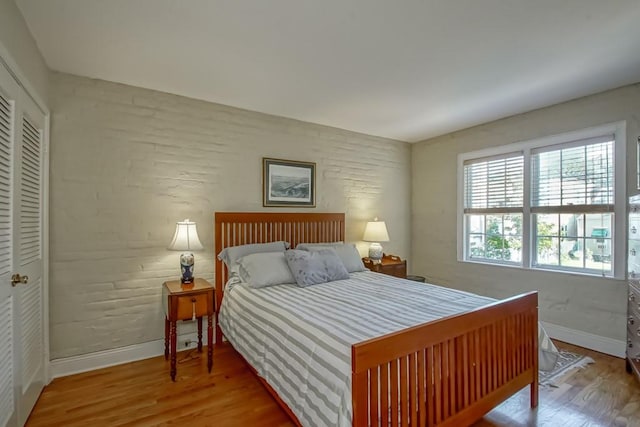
(174, 339)
(200, 334)
(209, 341)
(166, 338)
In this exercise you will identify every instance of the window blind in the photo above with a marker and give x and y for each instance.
(494, 184)
(574, 177)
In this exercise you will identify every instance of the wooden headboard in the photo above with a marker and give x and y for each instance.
(241, 228)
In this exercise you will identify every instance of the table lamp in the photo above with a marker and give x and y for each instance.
(375, 232)
(186, 239)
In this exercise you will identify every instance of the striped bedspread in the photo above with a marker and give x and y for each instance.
(299, 339)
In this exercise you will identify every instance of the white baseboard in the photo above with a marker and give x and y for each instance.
(103, 359)
(585, 339)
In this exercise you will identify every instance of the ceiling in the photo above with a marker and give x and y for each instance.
(407, 70)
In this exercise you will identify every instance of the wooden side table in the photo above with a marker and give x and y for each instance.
(187, 302)
(391, 265)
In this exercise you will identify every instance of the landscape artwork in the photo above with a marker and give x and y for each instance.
(288, 183)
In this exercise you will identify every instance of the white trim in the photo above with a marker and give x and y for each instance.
(20, 78)
(599, 343)
(116, 356)
(527, 223)
(618, 129)
(103, 359)
(609, 128)
(45, 247)
(7, 62)
(461, 249)
(619, 249)
(28, 102)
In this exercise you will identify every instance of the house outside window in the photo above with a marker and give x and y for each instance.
(554, 203)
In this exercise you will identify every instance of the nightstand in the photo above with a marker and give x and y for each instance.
(187, 302)
(391, 265)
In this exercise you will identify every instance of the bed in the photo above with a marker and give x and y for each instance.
(446, 371)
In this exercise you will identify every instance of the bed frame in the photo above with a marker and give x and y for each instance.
(447, 372)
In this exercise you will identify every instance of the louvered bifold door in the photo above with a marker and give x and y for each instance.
(8, 413)
(28, 214)
(22, 285)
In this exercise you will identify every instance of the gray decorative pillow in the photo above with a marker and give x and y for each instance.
(264, 269)
(314, 267)
(233, 253)
(347, 253)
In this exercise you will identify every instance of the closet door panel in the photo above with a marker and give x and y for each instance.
(28, 202)
(8, 350)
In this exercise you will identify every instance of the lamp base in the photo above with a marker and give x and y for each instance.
(375, 253)
(186, 268)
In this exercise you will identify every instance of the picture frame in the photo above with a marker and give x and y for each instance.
(288, 183)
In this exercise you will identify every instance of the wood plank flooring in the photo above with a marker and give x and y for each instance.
(142, 394)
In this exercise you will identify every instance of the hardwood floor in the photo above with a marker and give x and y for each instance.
(141, 393)
(603, 394)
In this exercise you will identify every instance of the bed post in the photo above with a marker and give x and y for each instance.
(217, 231)
(359, 398)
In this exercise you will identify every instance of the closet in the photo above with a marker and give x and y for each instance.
(23, 293)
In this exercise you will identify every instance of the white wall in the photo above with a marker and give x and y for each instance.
(589, 304)
(17, 40)
(127, 163)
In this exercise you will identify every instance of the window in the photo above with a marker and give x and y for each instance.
(572, 202)
(493, 203)
(553, 203)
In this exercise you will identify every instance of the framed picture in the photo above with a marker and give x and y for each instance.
(288, 183)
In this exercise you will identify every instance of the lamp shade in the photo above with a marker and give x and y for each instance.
(186, 237)
(375, 231)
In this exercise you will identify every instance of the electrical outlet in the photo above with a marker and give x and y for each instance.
(187, 343)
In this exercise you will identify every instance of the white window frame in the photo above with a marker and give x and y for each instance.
(618, 129)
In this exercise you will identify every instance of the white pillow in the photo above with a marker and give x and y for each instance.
(347, 253)
(264, 269)
(233, 253)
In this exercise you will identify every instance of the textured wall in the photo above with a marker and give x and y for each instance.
(18, 41)
(127, 163)
(590, 304)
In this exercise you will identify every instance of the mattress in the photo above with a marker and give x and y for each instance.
(299, 339)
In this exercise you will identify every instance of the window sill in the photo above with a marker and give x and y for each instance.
(544, 269)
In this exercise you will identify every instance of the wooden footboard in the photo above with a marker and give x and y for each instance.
(448, 372)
